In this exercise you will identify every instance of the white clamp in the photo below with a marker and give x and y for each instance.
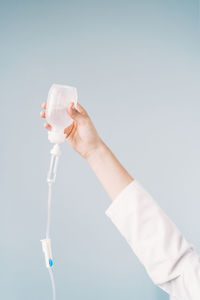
(46, 247)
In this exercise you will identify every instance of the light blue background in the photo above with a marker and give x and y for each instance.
(136, 67)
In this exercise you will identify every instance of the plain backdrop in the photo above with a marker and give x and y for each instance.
(136, 67)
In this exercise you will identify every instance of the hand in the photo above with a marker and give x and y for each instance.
(81, 135)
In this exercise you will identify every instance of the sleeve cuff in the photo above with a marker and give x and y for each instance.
(153, 237)
(118, 203)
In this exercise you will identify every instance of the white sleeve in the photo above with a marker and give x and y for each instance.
(170, 261)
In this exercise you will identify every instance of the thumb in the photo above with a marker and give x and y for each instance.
(74, 113)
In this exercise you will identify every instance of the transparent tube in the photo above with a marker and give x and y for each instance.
(49, 210)
(52, 283)
(55, 153)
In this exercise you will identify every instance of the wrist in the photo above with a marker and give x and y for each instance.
(96, 152)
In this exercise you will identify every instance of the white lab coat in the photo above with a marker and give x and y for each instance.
(171, 262)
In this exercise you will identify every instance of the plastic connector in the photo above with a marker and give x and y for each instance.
(56, 150)
(56, 137)
(46, 247)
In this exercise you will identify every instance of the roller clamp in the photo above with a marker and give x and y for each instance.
(46, 247)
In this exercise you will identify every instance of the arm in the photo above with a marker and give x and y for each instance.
(84, 139)
(168, 258)
(170, 261)
(112, 175)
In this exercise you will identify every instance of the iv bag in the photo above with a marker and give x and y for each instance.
(59, 98)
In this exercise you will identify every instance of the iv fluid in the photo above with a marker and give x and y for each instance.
(59, 98)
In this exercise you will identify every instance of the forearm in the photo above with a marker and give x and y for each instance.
(112, 175)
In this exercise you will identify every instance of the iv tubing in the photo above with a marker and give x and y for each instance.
(46, 243)
(49, 210)
(52, 283)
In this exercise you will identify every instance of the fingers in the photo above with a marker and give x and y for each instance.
(78, 113)
(71, 130)
(74, 113)
(44, 105)
(81, 109)
(47, 126)
(68, 130)
(42, 114)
